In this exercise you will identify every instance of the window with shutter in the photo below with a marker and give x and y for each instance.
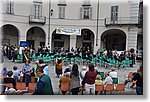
(9, 7)
(61, 12)
(81, 13)
(12, 7)
(90, 13)
(114, 14)
(86, 13)
(37, 10)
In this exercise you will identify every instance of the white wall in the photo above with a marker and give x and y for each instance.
(23, 9)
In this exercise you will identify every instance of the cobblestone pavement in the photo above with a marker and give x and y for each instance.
(122, 72)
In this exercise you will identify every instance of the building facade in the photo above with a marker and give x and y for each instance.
(110, 24)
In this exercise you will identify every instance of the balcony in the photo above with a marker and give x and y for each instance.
(37, 20)
(122, 21)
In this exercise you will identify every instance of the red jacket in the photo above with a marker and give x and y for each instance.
(90, 77)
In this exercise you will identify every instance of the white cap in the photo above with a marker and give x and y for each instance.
(84, 67)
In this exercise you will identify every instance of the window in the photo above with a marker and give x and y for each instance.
(61, 12)
(10, 7)
(37, 10)
(114, 14)
(86, 12)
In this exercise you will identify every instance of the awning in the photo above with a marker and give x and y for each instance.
(68, 31)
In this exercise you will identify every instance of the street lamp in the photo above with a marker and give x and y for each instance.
(97, 23)
(50, 11)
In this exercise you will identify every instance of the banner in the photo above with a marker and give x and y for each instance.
(68, 31)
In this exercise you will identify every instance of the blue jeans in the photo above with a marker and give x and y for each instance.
(27, 80)
(139, 90)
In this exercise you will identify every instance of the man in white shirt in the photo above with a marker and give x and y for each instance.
(113, 73)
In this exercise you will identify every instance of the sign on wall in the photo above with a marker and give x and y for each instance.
(68, 31)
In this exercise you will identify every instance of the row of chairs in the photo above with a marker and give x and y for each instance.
(64, 87)
(96, 60)
(21, 86)
(109, 88)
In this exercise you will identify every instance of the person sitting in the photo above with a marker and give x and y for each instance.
(68, 69)
(9, 79)
(130, 80)
(16, 74)
(4, 71)
(98, 81)
(82, 75)
(113, 73)
(45, 67)
(64, 79)
(44, 85)
(108, 79)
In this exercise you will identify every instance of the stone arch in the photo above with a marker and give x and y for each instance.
(10, 35)
(36, 36)
(113, 39)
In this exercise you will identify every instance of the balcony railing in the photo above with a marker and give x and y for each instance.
(122, 21)
(37, 19)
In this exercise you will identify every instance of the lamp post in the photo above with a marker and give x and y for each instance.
(97, 24)
(49, 14)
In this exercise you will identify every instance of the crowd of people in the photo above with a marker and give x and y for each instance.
(84, 52)
(79, 82)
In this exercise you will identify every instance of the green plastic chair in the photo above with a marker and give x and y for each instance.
(102, 75)
(46, 59)
(33, 57)
(39, 57)
(19, 57)
(115, 80)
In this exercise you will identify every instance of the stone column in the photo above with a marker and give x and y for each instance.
(132, 38)
(72, 41)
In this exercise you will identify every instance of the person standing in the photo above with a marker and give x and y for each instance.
(16, 74)
(26, 70)
(90, 77)
(59, 65)
(44, 85)
(138, 79)
(75, 81)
